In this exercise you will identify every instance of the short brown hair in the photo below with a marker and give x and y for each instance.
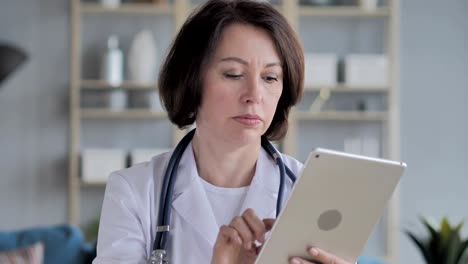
(181, 81)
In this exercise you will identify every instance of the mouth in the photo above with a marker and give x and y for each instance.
(249, 119)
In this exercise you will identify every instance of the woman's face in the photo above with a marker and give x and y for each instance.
(241, 86)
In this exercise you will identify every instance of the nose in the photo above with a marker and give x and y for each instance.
(253, 92)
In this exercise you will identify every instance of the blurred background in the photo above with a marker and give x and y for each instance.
(78, 99)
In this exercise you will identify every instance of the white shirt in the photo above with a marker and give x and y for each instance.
(131, 202)
(225, 202)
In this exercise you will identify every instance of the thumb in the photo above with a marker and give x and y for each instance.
(269, 222)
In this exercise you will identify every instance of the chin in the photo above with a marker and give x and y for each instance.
(244, 136)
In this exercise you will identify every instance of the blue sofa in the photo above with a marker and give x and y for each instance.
(62, 243)
(368, 260)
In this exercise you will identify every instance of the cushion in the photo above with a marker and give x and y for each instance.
(28, 255)
(62, 243)
(368, 260)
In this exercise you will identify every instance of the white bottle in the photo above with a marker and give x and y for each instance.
(112, 62)
(369, 5)
(142, 60)
(110, 3)
(117, 100)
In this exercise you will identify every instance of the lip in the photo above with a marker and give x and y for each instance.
(249, 116)
(248, 119)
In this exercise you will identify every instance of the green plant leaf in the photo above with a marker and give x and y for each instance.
(462, 256)
(432, 229)
(434, 240)
(420, 244)
(445, 236)
(444, 245)
(452, 247)
(445, 228)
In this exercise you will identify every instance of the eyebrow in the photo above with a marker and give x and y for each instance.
(241, 61)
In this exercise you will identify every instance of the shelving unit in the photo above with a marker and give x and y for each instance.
(341, 88)
(343, 11)
(388, 119)
(341, 116)
(127, 9)
(178, 10)
(128, 114)
(98, 84)
(79, 12)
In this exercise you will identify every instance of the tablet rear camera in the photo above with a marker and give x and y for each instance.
(329, 220)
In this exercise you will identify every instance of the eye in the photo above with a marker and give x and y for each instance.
(233, 76)
(271, 78)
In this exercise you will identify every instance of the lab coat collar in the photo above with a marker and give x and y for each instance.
(190, 200)
(192, 204)
(263, 189)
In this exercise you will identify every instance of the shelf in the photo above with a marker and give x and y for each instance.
(128, 114)
(128, 9)
(98, 84)
(341, 88)
(344, 11)
(342, 116)
(278, 7)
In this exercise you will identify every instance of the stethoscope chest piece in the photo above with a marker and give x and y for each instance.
(158, 256)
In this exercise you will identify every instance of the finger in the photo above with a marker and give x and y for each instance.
(244, 231)
(228, 245)
(258, 249)
(255, 224)
(229, 234)
(269, 222)
(324, 257)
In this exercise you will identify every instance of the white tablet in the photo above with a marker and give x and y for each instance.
(334, 205)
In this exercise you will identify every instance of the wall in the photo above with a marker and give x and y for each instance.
(434, 109)
(34, 115)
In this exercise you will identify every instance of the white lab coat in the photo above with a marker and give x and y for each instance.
(130, 209)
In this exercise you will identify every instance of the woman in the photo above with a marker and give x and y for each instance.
(236, 69)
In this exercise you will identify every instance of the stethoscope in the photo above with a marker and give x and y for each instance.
(159, 253)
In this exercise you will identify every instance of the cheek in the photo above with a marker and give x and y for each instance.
(222, 97)
(273, 104)
(274, 99)
(209, 90)
(218, 96)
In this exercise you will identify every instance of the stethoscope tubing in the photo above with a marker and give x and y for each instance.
(170, 178)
